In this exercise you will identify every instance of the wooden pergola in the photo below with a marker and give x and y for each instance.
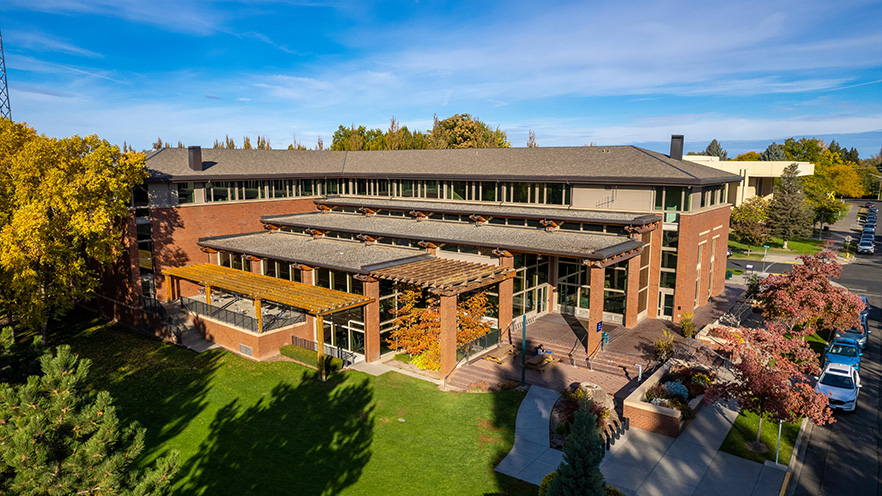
(314, 300)
(445, 277)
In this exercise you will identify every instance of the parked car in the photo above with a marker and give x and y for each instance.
(870, 204)
(860, 333)
(868, 230)
(866, 246)
(866, 311)
(844, 351)
(841, 384)
(728, 252)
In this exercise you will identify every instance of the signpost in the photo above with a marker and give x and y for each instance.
(524, 351)
(766, 252)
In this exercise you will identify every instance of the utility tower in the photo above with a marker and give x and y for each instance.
(5, 112)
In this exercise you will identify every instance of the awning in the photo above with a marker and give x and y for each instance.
(314, 299)
(444, 276)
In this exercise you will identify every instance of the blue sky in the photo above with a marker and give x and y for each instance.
(746, 73)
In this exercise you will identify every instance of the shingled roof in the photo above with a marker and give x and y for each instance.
(586, 164)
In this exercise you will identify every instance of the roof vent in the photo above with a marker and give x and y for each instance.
(677, 146)
(195, 153)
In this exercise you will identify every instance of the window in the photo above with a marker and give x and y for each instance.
(219, 191)
(186, 193)
(431, 189)
(488, 191)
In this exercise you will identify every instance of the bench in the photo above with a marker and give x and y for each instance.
(539, 362)
(501, 354)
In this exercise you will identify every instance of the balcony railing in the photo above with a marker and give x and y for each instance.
(284, 318)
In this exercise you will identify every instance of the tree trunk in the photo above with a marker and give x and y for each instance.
(759, 429)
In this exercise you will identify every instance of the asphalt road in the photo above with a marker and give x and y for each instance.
(844, 458)
(758, 266)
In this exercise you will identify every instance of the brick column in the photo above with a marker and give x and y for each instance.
(654, 272)
(372, 321)
(448, 335)
(631, 292)
(595, 311)
(506, 295)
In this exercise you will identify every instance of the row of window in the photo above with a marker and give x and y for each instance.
(489, 191)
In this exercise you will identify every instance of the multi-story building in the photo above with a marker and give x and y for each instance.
(328, 239)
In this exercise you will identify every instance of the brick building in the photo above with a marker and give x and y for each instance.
(610, 234)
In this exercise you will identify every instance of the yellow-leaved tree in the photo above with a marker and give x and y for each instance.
(62, 202)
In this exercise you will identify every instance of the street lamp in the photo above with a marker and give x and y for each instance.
(766, 252)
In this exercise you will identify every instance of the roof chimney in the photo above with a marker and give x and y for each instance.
(195, 153)
(677, 146)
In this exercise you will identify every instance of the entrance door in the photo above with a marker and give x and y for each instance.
(666, 304)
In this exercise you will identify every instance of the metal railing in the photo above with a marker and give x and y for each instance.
(284, 318)
(480, 343)
(230, 317)
(347, 357)
(154, 306)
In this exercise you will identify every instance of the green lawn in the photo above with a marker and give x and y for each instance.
(744, 430)
(794, 246)
(271, 428)
(818, 341)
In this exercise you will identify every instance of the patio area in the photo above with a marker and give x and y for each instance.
(240, 311)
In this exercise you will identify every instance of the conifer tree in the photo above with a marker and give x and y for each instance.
(58, 440)
(789, 215)
(715, 150)
(773, 152)
(579, 474)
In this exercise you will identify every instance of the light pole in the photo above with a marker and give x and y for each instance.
(766, 252)
(880, 185)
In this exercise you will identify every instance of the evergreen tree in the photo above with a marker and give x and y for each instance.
(773, 152)
(715, 150)
(579, 474)
(58, 440)
(789, 215)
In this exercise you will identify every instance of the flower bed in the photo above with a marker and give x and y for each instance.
(669, 398)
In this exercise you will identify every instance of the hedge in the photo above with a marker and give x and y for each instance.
(309, 357)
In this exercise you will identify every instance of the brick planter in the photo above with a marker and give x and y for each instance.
(658, 419)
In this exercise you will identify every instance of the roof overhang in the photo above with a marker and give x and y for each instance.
(445, 277)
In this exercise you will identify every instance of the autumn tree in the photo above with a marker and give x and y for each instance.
(826, 210)
(579, 474)
(159, 144)
(319, 144)
(531, 140)
(57, 438)
(715, 150)
(418, 325)
(770, 369)
(773, 153)
(748, 157)
(394, 135)
(748, 222)
(61, 205)
(804, 300)
(789, 214)
(229, 143)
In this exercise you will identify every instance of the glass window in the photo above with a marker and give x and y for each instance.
(554, 194)
(659, 197)
(280, 189)
(459, 190)
(382, 187)
(323, 278)
(406, 188)
(431, 189)
(668, 280)
(331, 187)
(488, 191)
(669, 259)
(186, 193)
(673, 198)
(520, 192)
(614, 302)
(219, 191)
(251, 190)
(361, 187)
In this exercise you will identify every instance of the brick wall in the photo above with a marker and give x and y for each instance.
(120, 280)
(263, 345)
(177, 229)
(652, 421)
(700, 229)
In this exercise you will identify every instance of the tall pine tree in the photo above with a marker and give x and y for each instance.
(57, 439)
(579, 474)
(773, 153)
(715, 150)
(789, 215)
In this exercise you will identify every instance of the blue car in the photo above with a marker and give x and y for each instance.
(859, 334)
(844, 351)
(866, 310)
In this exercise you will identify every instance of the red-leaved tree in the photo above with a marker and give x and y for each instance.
(806, 301)
(770, 372)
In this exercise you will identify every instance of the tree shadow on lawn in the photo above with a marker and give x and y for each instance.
(307, 437)
(161, 386)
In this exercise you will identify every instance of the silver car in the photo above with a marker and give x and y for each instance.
(841, 384)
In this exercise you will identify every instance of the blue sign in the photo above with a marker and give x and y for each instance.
(599, 326)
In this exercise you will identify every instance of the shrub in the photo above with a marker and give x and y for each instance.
(753, 285)
(688, 326)
(703, 379)
(479, 387)
(309, 357)
(675, 388)
(562, 428)
(403, 357)
(543, 486)
(611, 491)
(655, 391)
(508, 385)
(425, 362)
(664, 347)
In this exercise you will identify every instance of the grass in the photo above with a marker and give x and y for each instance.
(818, 341)
(744, 431)
(245, 427)
(794, 246)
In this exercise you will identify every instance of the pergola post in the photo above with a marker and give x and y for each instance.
(506, 294)
(320, 344)
(168, 288)
(448, 335)
(208, 295)
(595, 310)
(632, 292)
(372, 320)
(259, 315)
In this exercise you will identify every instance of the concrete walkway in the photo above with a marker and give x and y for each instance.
(642, 463)
(531, 458)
